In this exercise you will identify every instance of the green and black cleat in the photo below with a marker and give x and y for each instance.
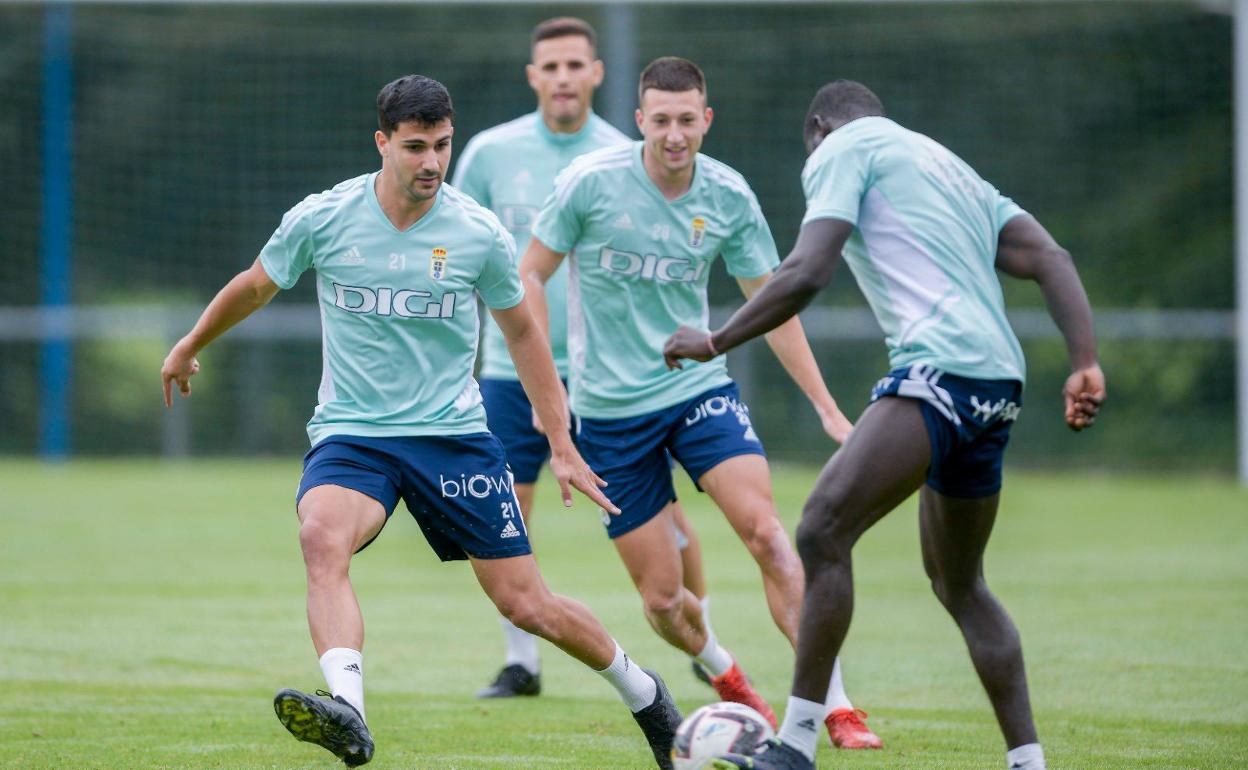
(327, 721)
(776, 756)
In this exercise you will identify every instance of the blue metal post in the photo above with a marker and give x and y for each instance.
(56, 232)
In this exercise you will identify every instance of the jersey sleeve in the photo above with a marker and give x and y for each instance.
(559, 223)
(835, 181)
(499, 284)
(1004, 209)
(290, 249)
(470, 175)
(751, 251)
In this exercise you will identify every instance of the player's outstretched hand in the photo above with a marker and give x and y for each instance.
(179, 367)
(835, 424)
(687, 343)
(571, 470)
(1084, 392)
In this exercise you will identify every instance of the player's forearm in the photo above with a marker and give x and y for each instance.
(535, 366)
(777, 301)
(236, 301)
(1068, 305)
(788, 341)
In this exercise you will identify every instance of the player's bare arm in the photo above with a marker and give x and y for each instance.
(536, 267)
(246, 293)
(530, 350)
(1026, 250)
(788, 341)
(801, 276)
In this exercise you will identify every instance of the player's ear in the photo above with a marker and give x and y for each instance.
(640, 120)
(598, 72)
(530, 72)
(710, 116)
(381, 140)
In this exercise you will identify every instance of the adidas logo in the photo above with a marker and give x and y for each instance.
(352, 257)
(750, 435)
(354, 667)
(623, 222)
(807, 724)
(509, 530)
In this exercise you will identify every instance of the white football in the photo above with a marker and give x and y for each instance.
(717, 729)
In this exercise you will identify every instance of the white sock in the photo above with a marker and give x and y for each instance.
(837, 699)
(635, 686)
(521, 647)
(714, 658)
(800, 728)
(1029, 756)
(705, 601)
(344, 673)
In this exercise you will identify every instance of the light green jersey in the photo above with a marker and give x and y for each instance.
(923, 247)
(510, 169)
(399, 319)
(638, 267)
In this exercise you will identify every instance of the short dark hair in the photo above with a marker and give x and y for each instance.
(413, 98)
(564, 26)
(671, 73)
(844, 100)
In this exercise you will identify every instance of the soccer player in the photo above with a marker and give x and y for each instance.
(399, 257)
(922, 233)
(510, 169)
(647, 220)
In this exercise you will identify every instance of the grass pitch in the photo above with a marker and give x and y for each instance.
(148, 612)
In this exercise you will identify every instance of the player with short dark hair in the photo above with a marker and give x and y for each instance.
(923, 234)
(641, 225)
(400, 259)
(510, 169)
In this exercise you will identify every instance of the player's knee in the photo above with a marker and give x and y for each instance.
(768, 542)
(821, 541)
(663, 601)
(526, 611)
(323, 548)
(955, 593)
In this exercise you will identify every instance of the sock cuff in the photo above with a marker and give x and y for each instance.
(334, 653)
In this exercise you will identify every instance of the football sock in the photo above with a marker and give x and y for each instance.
(800, 729)
(521, 647)
(635, 686)
(713, 657)
(837, 699)
(1026, 757)
(705, 601)
(344, 673)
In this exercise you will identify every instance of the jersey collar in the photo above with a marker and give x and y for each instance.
(639, 171)
(565, 140)
(370, 193)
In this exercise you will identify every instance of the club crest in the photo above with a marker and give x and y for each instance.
(437, 264)
(698, 233)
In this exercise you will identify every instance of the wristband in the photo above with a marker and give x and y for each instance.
(711, 347)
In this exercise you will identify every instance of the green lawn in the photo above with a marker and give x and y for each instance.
(148, 611)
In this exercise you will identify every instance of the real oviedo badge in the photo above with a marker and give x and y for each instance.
(698, 233)
(437, 264)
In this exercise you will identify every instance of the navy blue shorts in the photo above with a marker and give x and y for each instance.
(634, 454)
(510, 416)
(458, 488)
(968, 423)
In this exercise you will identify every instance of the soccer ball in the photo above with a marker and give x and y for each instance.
(717, 729)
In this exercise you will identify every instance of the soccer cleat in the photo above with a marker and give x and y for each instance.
(658, 722)
(733, 686)
(776, 756)
(701, 674)
(848, 730)
(513, 680)
(329, 722)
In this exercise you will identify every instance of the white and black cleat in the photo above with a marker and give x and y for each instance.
(659, 721)
(512, 681)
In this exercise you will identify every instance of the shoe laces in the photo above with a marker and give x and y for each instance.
(853, 717)
(324, 694)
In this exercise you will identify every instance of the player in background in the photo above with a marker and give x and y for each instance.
(642, 224)
(922, 233)
(399, 257)
(510, 169)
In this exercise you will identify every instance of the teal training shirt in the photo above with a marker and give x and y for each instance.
(638, 268)
(924, 245)
(399, 319)
(510, 169)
